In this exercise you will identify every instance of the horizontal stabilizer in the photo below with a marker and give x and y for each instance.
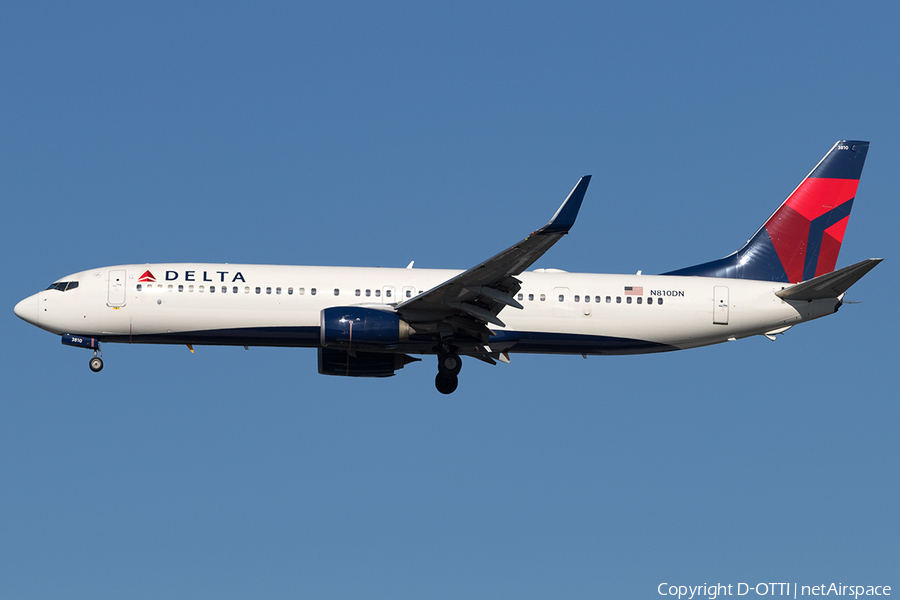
(829, 285)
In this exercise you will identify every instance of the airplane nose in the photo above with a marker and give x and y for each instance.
(27, 310)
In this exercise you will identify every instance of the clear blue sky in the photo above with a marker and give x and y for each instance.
(373, 134)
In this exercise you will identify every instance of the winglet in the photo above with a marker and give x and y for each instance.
(564, 218)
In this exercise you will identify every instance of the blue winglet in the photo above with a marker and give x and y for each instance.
(564, 218)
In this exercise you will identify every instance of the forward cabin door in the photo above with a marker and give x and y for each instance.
(116, 288)
(720, 308)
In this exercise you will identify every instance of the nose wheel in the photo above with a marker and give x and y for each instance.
(449, 365)
(96, 363)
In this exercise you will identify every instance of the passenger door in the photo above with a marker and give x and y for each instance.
(116, 295)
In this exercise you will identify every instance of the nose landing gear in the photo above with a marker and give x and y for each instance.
(449, 365)
(96, 363)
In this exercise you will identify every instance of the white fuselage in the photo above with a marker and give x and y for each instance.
(565, 313)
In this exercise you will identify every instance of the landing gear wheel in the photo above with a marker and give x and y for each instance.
(96, 364)
(446, 384)
(449, 364)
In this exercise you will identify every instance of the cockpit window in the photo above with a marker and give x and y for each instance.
(63, 286)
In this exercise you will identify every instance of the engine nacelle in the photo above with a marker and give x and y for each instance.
(361, 364)
(355, 327)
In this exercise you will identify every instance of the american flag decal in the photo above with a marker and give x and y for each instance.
(634, 290)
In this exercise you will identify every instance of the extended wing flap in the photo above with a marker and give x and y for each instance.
(829, 285)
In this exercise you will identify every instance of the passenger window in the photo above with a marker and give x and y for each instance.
(520, 296)
(190, 288)
(530, 297)
(628, 299)
(268, 290)
(387, 293)
(543, 297)
(561, 298)
(234, 290)
(608, 299)
(368, 293)
(180, 288)
(258, 290)
(358, 292)
(224, 290)
(409, 293)
(246, 289)
(312, 291)
(278, 290)
(618, 299)
(587, 298)
(659, 301)
(337, 292)
(301, 291)
(138, 287)
(597, 299)
(171, 287)
(200, 288)
(577, 298)
(378, 293)
(650, 300)
(212, 289)
(640, 299)
(290, 291)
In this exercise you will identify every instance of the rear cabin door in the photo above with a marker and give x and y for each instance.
(720, 308)
(116, 288)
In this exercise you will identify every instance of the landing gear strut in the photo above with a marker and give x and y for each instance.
(449, 365)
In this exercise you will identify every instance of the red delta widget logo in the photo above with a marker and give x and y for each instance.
(207, 276)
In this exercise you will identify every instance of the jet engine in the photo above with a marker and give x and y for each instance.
(355, 327)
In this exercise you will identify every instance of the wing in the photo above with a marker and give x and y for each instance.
(468, 302)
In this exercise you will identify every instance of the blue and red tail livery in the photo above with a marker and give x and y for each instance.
(803, 238)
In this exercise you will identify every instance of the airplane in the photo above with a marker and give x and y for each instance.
(367, 322)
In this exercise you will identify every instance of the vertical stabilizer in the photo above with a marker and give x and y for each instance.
(803, 238)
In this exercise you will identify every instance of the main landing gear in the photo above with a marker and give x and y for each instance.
(449, 365)
(96, 364)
